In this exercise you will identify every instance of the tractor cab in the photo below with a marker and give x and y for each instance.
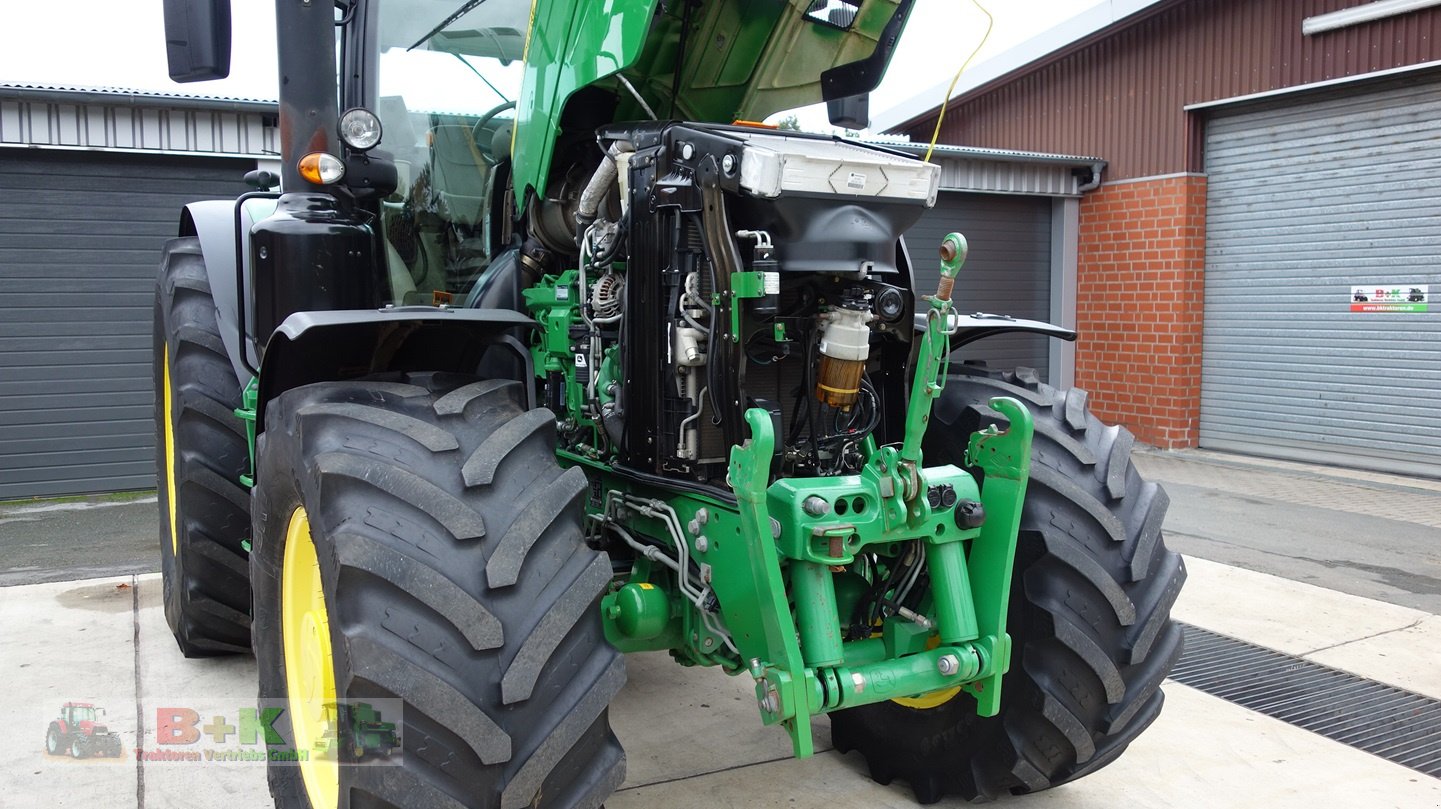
(77, 713)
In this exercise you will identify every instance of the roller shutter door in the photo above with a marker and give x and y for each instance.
(80, 239)
(1008, 270)
(1307, 201)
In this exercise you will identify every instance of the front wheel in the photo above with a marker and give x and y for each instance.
(418, 550)
(1089, 616)
(77, 750)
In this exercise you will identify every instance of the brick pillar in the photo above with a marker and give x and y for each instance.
(1139, 295)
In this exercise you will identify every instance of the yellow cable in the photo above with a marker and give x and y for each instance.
(990, 23)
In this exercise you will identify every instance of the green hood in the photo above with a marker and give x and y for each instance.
(742, 60)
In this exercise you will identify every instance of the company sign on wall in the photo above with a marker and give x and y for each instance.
(1405, 298)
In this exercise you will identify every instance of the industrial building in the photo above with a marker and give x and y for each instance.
(1254, 271)
(94, 182)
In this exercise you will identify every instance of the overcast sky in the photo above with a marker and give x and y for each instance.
(120, 43)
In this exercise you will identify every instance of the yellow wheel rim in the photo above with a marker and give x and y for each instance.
(169, 450)
(309, 665)
(931, 700)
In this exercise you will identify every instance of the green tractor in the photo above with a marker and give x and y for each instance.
(541, 355)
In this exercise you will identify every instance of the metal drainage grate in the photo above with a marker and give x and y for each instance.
(1389, 722)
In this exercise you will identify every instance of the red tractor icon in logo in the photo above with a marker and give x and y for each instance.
(78, 733)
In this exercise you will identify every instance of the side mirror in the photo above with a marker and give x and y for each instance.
(197, 39)
(261, 180)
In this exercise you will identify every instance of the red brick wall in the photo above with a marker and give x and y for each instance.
(1139, 291)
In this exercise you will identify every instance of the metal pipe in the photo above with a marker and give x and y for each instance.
(920, 673)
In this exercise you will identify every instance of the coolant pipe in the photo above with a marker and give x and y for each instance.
(816, 614)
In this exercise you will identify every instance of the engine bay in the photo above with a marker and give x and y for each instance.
(741, 268)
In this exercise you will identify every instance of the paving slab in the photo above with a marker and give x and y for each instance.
(1369, 638)
(692, 735)
(678, 722)
(63, 642)
(1202, 753)
(213, 688)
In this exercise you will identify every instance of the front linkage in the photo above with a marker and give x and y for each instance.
(731, 603)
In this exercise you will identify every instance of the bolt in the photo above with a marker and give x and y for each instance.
(815, 506)
(948, 665)
(770, 703)
(970, 514)
(728, 163)
(709, 642)
(775, 528)
(687, 151)
(702, 516)
(702, 544)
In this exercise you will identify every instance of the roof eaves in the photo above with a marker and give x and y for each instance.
(1091, 25)
(131, 98)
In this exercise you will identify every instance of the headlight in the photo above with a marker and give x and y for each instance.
(321, 168)
(360, 129)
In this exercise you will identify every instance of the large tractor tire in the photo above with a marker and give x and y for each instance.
(56, 743)
(1089, 618)
(417, 547)
(200, 453)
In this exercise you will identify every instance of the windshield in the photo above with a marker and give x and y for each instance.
(449, 74)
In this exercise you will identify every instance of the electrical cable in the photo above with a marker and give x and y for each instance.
(935, 135)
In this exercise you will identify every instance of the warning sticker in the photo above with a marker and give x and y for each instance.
(1390, 299)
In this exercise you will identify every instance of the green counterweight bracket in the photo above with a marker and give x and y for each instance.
(1005, 458)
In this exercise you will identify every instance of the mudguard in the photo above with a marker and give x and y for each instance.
(213, 222)
(326, 346)
(980, 325)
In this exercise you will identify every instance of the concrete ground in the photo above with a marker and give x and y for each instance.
(1361, 592)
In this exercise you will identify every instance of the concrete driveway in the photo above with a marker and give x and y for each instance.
(692, 736)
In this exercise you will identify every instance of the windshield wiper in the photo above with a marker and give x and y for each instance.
(465, 8)
(480, 76)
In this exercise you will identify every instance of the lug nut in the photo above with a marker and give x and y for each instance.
(948, 665)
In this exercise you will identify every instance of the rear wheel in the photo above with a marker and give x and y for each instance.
(1089, 617)
(55, 743)
(200, 452)
(417, 542)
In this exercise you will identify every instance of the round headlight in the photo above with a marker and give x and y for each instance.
(360, 129)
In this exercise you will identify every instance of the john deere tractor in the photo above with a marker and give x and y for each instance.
(541, 354)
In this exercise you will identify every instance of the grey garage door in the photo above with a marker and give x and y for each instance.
(1310, 205)
(1008, 271)
(80, 238)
